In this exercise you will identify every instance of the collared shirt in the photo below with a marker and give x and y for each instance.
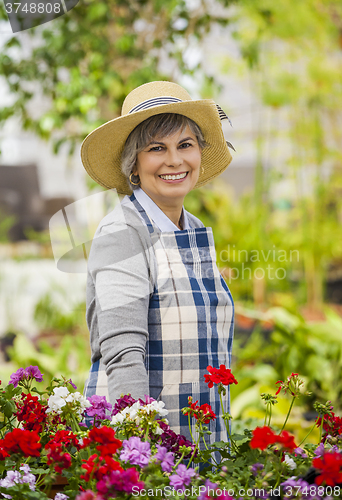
(157, 215)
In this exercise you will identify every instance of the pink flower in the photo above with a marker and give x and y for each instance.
(89, 495)
(98, 408)
(165, 457)
(182, 477)
(135, 451)
(116, 480)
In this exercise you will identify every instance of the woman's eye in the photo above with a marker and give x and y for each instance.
(185, 145)
(156, 148)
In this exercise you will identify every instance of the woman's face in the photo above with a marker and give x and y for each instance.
(169, 167)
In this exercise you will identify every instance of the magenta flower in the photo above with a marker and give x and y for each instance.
(98, 407)
(205, 494)
(165, 457)
(182, 477)
(135, 451)
(116, 480)
(148, 400)
(122, 403)
(89, 495)
(34, 372)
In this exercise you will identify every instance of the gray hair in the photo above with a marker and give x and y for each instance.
(157, 126)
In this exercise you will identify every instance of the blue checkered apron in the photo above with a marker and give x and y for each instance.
(190, 324)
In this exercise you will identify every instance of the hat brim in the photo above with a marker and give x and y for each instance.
(101, 150)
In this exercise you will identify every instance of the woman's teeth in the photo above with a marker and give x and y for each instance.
(173, 177)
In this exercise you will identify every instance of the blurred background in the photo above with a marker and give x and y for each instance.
(276, 70)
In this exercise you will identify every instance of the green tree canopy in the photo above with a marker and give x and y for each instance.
(84, 63)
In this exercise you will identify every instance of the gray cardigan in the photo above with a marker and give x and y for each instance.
(122, 272)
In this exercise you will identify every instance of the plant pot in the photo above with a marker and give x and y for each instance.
(58, 486)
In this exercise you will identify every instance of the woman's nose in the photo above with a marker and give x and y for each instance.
(173, 158)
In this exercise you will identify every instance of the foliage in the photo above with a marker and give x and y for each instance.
(291, 53)
(272, 256)
(83, 64)
(314, 349)
(144, 457)
(6, 223)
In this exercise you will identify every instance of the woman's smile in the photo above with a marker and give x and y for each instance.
(174, 177)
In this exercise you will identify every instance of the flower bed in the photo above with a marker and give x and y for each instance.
(129, 450)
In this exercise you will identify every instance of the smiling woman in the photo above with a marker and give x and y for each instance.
(158, 310)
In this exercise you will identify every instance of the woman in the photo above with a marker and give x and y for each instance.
(158, 310)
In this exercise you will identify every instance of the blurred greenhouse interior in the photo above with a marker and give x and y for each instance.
(275, 68)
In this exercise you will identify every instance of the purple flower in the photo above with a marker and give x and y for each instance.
(25, 373)
(122, 403)
(173, 441)
(15, 477)
(61, 496)
(319, 451)
(182, 477)
(135, 451)
(72, 384)
(255, 468)
(296, 485)
(98, 407)
(165, 457)
(209, 488)
(17, 377)
(300, 452)
(34, 372)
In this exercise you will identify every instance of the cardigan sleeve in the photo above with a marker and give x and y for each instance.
(120, 283)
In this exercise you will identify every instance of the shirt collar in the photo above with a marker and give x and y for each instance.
(157, 215)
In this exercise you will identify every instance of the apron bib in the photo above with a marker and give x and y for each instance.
(190, 324)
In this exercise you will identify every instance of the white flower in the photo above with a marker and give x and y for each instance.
(57, 400)
(290, 462)
(133, 410)
(158, 431)
(157, 406)
(77, 397)
(62, 392)
(118, 418)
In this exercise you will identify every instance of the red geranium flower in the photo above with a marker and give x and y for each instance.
(99, 467)
(262, 437)
(220, 375)
(31, 412)
(21, 441)
(109, 444)
(332, 424)
(331, 466)
(57, 456)
(287, 440)
(203, 413)
(64, 438)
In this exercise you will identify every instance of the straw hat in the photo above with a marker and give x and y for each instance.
(101, 149)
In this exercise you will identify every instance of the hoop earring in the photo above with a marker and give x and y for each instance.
(202, 170)
(134, 183)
